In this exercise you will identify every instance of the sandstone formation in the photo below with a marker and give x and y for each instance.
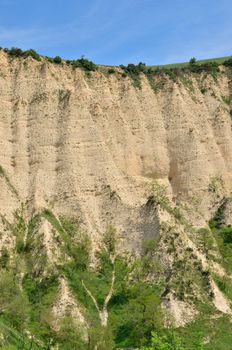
(92, 145)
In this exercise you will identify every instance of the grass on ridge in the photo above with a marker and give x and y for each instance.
(218, 60)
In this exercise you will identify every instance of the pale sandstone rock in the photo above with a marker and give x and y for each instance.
(65, 137)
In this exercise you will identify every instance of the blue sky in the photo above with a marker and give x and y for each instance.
(119, 32)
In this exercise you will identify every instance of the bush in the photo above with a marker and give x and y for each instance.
(14, 303)
(32, 53)
(111, 71)
(226, 233)
(70, 336)
(193, 60)
(57, 60)
(4, 259)
(228, 63)
(85, 64)
(49, 59)
(171, 73)
(14, 51)
(203, 90)
(167, 342)
(133, 71)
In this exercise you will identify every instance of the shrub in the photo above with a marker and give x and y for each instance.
(49, 59)
(216, 184)
(228, 63)
(14, 303)
(110, 240)
(111, 71)
(70, 336)
(193, 60)
(14, 51)
(32, 53)
(226, 233)
(19, 245)
(85, 64)
(227, 99)
(203, 90)
(57, 60)
(171, 73)
(166, 342)
(4, 259)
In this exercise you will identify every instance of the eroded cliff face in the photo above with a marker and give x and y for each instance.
(91, 145)
(80, 152)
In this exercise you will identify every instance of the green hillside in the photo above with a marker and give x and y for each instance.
(219, 60)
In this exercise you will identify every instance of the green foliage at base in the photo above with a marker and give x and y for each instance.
(223, 235)
(213, 331)
(30, 287)
(170, 341)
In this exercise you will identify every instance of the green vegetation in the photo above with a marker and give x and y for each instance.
(128, 290)
(133, 71)
(16, 52)
(57, 60)
(82, 63)
(111, 71)
(85, 64)
(187, 83)
(114, 288)
(220, 60)
(167, 342)
(7, 179)
(228, 63)
(119, 295)
(159, 196)
(223, 236)
(156, 75)
(176, 73)
(4, 258)
(225, 285)
(213, 330)
(216, 184)
(11, 339)
(227, 99)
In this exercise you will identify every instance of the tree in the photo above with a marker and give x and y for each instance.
(139, 316)
(109, 250)
(193, 60)
(57, 60)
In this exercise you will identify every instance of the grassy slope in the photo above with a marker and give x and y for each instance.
(219, 60)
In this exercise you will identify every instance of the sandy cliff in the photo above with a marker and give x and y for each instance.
(90, 146)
